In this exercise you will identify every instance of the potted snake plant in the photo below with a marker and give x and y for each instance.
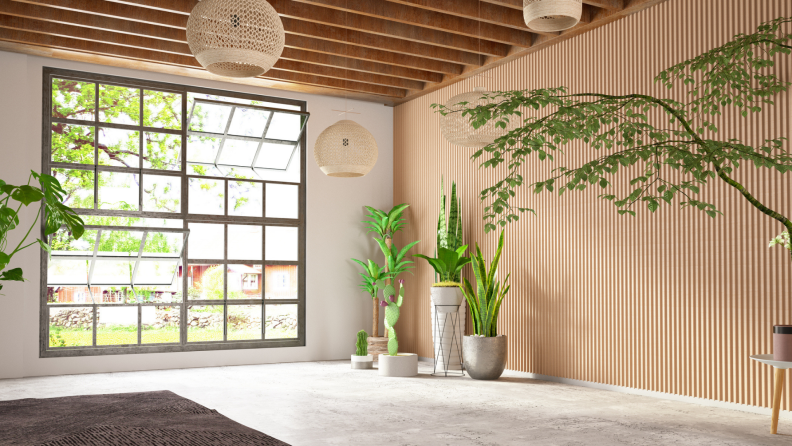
(485, 353)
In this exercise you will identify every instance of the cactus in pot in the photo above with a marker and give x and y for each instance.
(392, 304)
(361, 359)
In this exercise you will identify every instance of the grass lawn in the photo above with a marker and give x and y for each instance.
(124, 335)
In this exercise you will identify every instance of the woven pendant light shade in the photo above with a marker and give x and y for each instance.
(345, 149)
(235, 38)
(552, 15)
(457, 129)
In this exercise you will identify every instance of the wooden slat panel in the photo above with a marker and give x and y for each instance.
(430, 19)
(606, 4)
(673, 302)
(486, 12)
(87, 46)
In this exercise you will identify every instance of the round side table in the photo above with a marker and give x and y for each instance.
(778, 384)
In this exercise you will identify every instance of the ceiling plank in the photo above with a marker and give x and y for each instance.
(430, 19)
(311, 63)
(605, 4)
(106, 49)
(152, 67)
(448, 61)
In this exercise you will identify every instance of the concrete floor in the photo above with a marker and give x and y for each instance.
(326, 403)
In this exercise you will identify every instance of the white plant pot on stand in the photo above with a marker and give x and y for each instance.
(446, 340)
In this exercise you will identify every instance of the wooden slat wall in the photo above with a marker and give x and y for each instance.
(673, 302)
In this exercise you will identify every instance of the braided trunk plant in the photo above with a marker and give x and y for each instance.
(738, 76)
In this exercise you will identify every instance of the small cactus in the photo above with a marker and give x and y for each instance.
(392, 305)
(361, 344)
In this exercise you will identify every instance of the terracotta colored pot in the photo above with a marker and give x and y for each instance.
(782, 343)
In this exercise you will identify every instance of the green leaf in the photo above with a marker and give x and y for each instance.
(12, 274)
(27, 194)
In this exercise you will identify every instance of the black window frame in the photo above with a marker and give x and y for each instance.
(45, 351)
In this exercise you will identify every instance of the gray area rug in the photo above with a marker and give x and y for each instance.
(139, 419)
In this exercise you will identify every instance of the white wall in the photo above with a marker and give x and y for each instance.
(335, 308)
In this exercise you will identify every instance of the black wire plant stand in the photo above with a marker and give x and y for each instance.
(440, 351)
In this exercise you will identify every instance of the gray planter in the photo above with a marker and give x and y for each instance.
(484, 358)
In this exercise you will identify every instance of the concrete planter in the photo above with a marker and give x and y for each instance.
(447, 347)
(485, 358)
(362, 362)
(403, 364)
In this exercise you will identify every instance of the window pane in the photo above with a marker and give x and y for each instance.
(68, 272)
(159, 325)
(244, 322)
(161, 193)
(207, 241)
(280, 281)
(119, 105)
(162, 151)
(240, 173)
(72, 144)
(133, 221)
(119, 147)
(69, 294)
(281, 321)
(238, 153)
(244, 198)
(281, 243)
(274, 156)
(63, 244)
(113, 272)
(244, 242)
(206, 196)
(120, 243)
(249, 122)
(205, 323)
(73, 100)
(206, 170)
(119, 191)
(283, 201)
(156, 273)
(162, 110)
(116, 326)
(244, 281)
(170, 293)
(201, 149)
(285, 126)
(114, 295)
(79, 187)
(205, 282)
(163, 244)
(209, 118)
(70, 327)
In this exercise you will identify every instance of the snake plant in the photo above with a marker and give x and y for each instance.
(486, 300)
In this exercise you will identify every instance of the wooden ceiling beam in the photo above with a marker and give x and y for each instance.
(106, 49)
(474, 9)
(430, 19)
(94, 13)
(373, 25)
(311, 63)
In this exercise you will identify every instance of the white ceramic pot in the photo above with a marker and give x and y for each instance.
(362, 362)
(403, 364)
(447, 347)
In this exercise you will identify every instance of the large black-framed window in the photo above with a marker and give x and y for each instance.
(194, 203)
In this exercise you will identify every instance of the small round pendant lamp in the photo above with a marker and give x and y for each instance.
(235, 38)
(457, 129)
(552, 15)
(345, 149)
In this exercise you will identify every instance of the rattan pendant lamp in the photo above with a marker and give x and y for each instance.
(456, 127)
(345, 149)
(552, 15)
(235, 38)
